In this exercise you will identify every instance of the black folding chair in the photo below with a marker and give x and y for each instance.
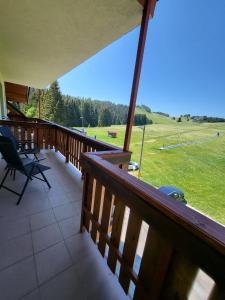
(20, 146)
(26, 166)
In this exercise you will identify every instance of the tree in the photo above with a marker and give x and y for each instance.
(53, 104)
(49, 106)
(105, 118)
(146, 108)
(31, 112)
(141, 119)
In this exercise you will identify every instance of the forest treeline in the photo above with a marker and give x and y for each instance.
(75, 112)
(204, 119)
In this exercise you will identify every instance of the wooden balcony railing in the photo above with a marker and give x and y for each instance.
(70, 143)
(178, 242)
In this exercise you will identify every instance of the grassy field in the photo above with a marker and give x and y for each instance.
(197, 168)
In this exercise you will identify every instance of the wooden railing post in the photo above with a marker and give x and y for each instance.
(86, 201)
(67, 149)
(56, 140)
(38, 143)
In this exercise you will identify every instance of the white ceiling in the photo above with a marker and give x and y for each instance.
(40, 40)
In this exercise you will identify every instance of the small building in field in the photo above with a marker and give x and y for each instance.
(112, 134)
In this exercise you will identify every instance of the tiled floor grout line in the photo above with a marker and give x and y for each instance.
(36, 213)
(29, 293)
(73, 198)
(35, 264)
(11, 239)
(15, 263)
(50, 209)
(33, 255)
(64, 241)
(35, 230)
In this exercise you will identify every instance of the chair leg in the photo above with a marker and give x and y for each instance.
(24, 188)
(14, 174)
(4, 178)
(36, 157)
(45, 179)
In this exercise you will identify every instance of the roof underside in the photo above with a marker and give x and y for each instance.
(42, 40)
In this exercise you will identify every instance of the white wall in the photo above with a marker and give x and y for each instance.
(3, 110)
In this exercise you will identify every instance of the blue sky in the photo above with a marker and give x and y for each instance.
(183, 68)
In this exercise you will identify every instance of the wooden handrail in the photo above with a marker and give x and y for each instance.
(198, 224)
(37, 123)
(15, 110)
(88, 140)
(48, 135)
(185, 234)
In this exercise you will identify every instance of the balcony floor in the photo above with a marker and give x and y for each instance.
(42, 254)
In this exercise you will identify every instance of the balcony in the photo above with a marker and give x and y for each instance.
(42, 252)
(152, 247)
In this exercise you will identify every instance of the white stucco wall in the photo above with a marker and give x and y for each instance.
(3, 110)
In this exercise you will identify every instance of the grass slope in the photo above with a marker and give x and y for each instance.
(156, 118)
(197, 169)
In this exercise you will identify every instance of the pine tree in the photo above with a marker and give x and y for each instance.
(49, 105)
(54, 108)
(105, 118)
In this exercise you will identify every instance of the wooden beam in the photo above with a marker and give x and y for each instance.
(149, 4)
(15, 112)
(142, 2)
(16, 92)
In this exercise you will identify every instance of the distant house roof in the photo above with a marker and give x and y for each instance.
(42, 40)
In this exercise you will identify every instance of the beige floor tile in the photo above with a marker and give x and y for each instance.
(66, 211)
(46, 237)
(42, 219)
(70, 226)
(15, 250)
(18, 280)
(52, 261)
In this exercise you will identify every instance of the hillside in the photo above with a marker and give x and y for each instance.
(196, 167)
(156, 118)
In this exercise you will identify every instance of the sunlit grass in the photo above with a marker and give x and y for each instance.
(197, 169)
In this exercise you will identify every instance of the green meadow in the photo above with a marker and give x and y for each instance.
(197, 167)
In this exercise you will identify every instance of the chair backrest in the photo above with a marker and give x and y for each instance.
(6, 132)
(10, 154)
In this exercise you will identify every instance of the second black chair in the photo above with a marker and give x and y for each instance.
(20, 146)
(26, 166)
